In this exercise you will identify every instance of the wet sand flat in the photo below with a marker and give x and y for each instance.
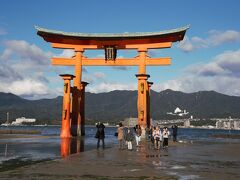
(179, 161)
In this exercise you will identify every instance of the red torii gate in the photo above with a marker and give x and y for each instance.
(80, 42)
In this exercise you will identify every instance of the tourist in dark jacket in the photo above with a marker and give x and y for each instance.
(100, 134)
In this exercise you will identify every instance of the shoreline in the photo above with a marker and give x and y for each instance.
(115, 126)
(179, 160)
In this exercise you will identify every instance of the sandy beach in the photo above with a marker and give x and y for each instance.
(189, 160)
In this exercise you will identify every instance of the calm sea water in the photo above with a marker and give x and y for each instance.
(48, 145)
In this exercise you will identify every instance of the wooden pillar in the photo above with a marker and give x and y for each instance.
(65, 131)
(76, 103)
(142, 52)
(82, 110)
(65, 147)
(148, 104)
(142, 99)
(142, 88)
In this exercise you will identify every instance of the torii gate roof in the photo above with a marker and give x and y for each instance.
(77, 38)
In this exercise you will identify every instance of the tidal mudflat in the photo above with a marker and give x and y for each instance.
(193, 157)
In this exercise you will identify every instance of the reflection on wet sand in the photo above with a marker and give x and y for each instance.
(71, 146)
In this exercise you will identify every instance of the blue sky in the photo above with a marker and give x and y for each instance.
(207, 59)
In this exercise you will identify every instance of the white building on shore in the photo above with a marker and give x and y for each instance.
(228, 124)
(20, 121)
(187, 123)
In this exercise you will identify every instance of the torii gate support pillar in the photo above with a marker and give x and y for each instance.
(65, 131)
(142, 99)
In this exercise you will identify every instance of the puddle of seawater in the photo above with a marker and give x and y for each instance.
(186, 177)
(183, 177)
(131, 170)
(178, 167)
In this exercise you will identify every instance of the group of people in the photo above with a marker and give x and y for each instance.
(129, 136)
(158, 137)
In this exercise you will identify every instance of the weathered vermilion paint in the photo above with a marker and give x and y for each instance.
(65, 147)
(142, 99)
(80, 42)
(65, 130)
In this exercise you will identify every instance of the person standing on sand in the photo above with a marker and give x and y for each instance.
(165, 135)
(157, 134)
(138, 133)
(129, 139)
(151, 134)
(100, 134)
(120, 132)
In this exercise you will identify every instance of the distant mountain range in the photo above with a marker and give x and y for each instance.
(117, 105)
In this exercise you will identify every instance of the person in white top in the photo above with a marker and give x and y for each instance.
(157, 135)
(165, 134)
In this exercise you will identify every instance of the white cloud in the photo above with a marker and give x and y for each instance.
(225, 85)
(94, 78)
(108, 86)
(28, 52)
(186, 45)
(225, 64)
(26, 88)
(221, 74)
(218, 37)
(23, 70)
(67, 53)
(215, 38)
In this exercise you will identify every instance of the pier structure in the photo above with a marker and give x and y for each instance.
(141, 42)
